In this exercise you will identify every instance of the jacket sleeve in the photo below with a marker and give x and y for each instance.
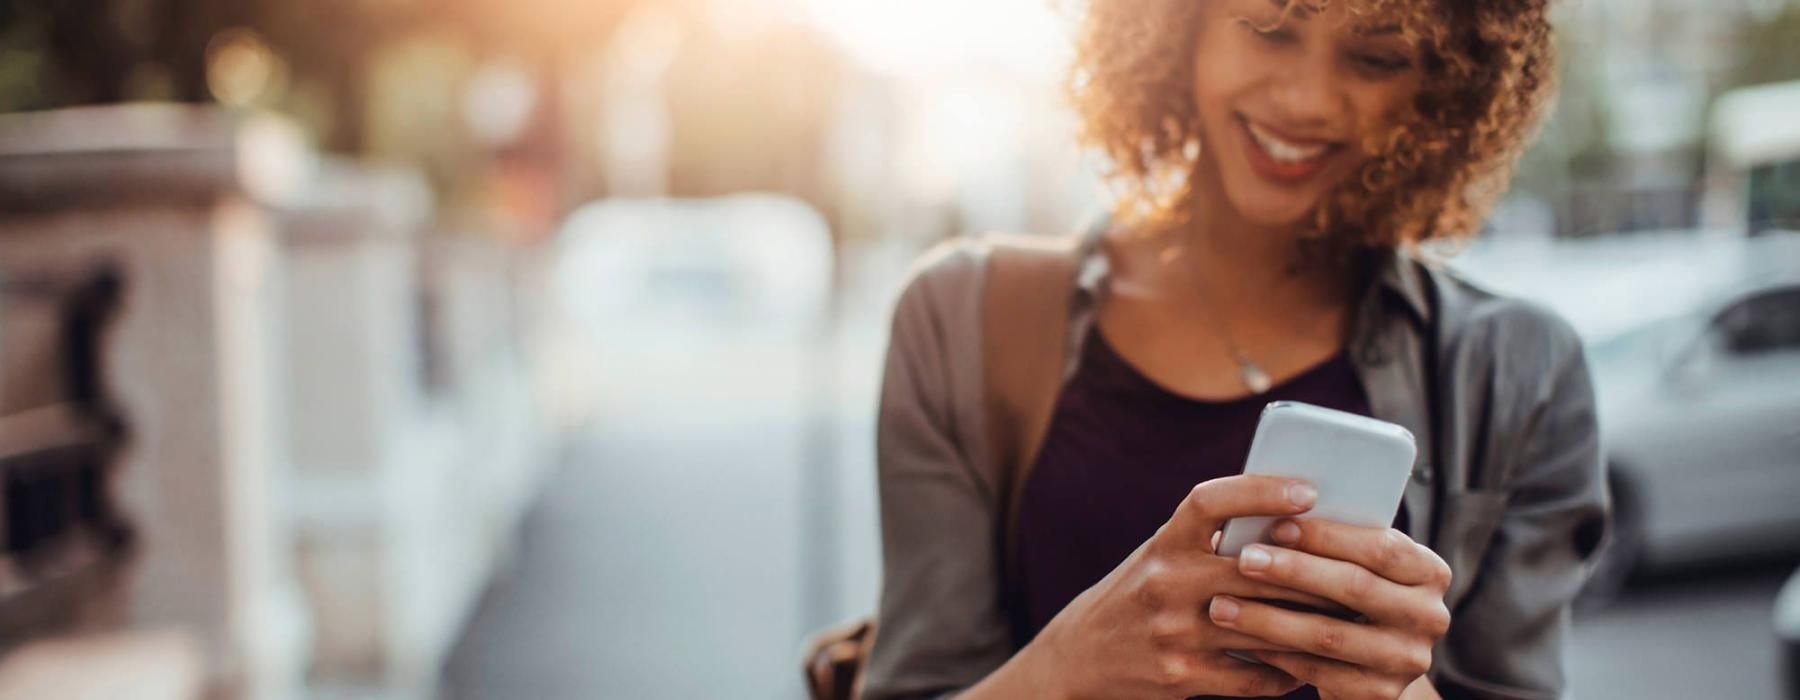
(941, 628)
(1510, 633)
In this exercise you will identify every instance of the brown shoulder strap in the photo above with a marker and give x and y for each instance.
(1025, 312)
(1025, 317)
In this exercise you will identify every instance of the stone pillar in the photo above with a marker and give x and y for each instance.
(176, 198)
(410, 474)
(367, 455)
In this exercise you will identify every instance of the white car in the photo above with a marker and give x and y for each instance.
(1701, 418)
(679, 305)
(1695, 346)
(745, 263)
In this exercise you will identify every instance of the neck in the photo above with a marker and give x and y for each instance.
(1229, 254)
(1258, 267)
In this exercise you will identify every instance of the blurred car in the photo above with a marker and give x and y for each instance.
(676, 303)
(743, 263)
(1755, 167)
(1700, 412)
(1694, 340)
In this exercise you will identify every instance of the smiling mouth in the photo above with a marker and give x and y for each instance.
(1285, 159)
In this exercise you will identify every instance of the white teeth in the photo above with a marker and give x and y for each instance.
(1284, 151)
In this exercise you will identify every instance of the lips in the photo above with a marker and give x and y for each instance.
(1283, 158)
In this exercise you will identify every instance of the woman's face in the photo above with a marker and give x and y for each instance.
(1284, 106)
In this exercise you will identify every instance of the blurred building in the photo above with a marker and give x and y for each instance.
(1631, 133)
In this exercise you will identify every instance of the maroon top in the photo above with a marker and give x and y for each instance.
(1121, 453)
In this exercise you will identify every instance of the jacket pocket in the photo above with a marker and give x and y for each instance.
(1469, 520)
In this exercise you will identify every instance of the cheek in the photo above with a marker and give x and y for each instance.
(1222, 72)
(1380, 107)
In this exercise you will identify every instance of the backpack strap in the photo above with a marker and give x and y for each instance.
(1025, 321)
(1030, 282)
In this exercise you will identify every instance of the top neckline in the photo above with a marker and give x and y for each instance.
(1117, 372)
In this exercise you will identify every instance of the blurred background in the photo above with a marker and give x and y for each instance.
(530, 349)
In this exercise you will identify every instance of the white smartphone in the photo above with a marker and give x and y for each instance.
(1360, 466)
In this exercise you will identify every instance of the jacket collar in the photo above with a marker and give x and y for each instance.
(1397, 272)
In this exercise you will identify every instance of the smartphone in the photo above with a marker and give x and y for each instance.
(1359, 464)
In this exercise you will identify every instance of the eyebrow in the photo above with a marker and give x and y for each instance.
(1301, 7)
(1305, 9)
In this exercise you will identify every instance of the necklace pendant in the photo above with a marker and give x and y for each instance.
(1255, 378)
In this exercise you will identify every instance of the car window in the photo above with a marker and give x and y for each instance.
(1767, 322)
(1775, 197)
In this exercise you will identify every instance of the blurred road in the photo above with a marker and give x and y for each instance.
(657, 566)
(1697, 635)
(720, 509)
(724, 506)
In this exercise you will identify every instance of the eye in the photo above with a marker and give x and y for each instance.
(1280, 36)
(1380, 64)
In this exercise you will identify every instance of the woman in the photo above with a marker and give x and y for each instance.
(1285, 158)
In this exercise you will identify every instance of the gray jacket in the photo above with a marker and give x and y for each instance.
(1509, 481)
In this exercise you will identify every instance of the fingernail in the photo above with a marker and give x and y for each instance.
(1286, 532)
(1254, 558)
(1302, 494)
(1224, 609)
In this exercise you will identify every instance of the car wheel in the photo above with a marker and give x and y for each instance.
(1618, 558)
(1787, 630)
(1791, 663)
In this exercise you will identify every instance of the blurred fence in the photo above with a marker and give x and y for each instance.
(328, 416)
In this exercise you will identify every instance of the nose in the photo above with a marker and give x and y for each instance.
(1307, 95)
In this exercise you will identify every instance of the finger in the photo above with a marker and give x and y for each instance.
(1218, 638)
(1362, 645)
(1212, 575)
(1327, 608)
(1260, 590)
(1244, 679)
(1211, 503)
(1385, 551)
(1384, 601)
(1328, 675)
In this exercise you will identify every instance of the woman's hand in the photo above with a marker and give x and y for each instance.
(1396, 584)
(1142, 632)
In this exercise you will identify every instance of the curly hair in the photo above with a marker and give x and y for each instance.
(1487, 81)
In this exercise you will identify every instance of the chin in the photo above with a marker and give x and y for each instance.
(1267, 209)
(1264, 203)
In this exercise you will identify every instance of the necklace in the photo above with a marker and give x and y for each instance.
(1255, 379)
(1252, 374)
